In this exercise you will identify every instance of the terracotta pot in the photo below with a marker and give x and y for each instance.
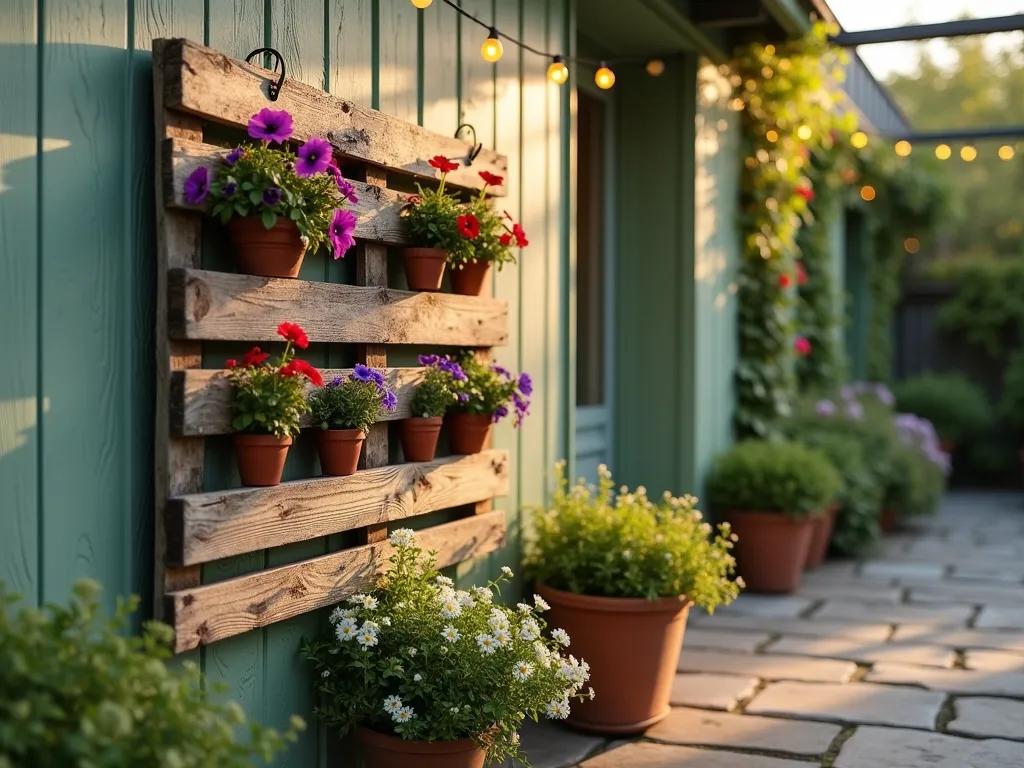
(339, 450)
(381, 751)
(771, 550)
(470, 280)
(419, 438)
(632, 646)
(820, 536)
(424, 268)
(274, 252)
(890, 520)
(261, 458)
(468, 432)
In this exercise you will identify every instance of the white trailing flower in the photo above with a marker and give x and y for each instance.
(498, 619)
(483, 594)
(411, 651)
(370, 626)
(404, 715)
(417, 677)
(542, 653)
(487, 643)
(325, 673)
(337, 615)
(392, 704)
(346, 629)
(465, 599)
(503, 637)
(540, 603)
(507, 571)
(529, 630)
(369, 602)
(561, 637)
(557, 709)
(450, 608)
(450, 633)
(386, 621)
(523, 608)
(576, 672)
(523, 670)
(403, 537)
(357, 598)
(367, 639)
(591, 694)
(454, 710)
(444, 581)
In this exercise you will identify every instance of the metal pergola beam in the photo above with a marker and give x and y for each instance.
(967, 134)
(958, 28)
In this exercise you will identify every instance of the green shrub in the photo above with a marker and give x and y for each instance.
(595, 542)
(957, 408)
(76, 690)
(1012, 403)
(916, 484)
(778, 476)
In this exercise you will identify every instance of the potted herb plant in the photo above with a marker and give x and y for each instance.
(493, 236)
(433, 227)
(434, 677)
(275, 203)
(770, 492)
(344, 411)
(432, 399)
(268, 402)
(620, 573)
(483, 398)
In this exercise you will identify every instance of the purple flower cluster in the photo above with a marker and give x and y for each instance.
(851, 407)
(881, 392)
(920, 433)
(271, 125)
(445, 364)
(388, 399)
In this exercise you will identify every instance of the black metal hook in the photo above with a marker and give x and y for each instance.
(476, 149)
(274, 89)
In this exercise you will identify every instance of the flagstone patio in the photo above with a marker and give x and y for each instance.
(913, 659)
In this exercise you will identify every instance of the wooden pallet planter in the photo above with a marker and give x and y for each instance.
(193, 86)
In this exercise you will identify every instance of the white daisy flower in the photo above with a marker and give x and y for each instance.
(483, 594)
(627, 554)
(369, 603)
(392, 704)
(357, 598)
(386, 621)
(540, 603)
(498, 619)
(346, 629)
(444, 581)
(561, 637)
(503, 637)
(451, 634)
(454, 710)
(417, 677)
(403, 537)
(370, 626)
(591, 694)
(557, 709)
(411, 651)
(487, 643)
(523, 608)
(542, 653)
(506, 570)
(523, 670)
(366, 639)
(529, 630)
(450, 608)
(404, 715)
(465, 599)
(336, 615)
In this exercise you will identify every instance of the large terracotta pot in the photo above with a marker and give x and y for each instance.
(470, 280)
(468, 432)
(381, 751)
(274, 252)
(339, 450)
(424, 268)
(890, 520)
(632, 646)
(771, 550)
(821, 535)
(419, 438)
(261, 458)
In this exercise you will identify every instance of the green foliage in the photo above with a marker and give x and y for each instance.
(435, 394)
(957, 408)
(772, 476)
(595, 542)
(420, 660)
(432, 221)
(916, 484)
(309, 201)
(77, 690)
(269, 398)
(986, 310)
(490, 389)
(1012, 403)
(495, 242)
(353, 403)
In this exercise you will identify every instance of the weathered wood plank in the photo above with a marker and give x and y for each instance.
(379, 210)
(207, 83)
(209, 526)
(201, 399)
(213, 612)
(223, 306)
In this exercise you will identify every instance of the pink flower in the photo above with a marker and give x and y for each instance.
(802, 346)
(340, 233)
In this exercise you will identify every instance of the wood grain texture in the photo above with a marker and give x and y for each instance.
(235, 26)
(223, 306)
(297, 31)
(205, 614)
(218, 88)
(379, 210)
(398, 68)
(351, 49)
(441, 69)
(209, 526)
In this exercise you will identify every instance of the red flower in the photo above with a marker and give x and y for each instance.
(805, 192)
(491, 180)
(293, 332)
(413, 200)
(505, 239)
(254, 356)
(520, 236)
(802, 346)
(230, 363)
(469, 226)
(443, 164)
(302, 368)
(785, 280)
(801, 273)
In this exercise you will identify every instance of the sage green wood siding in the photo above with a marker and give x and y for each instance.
(77, 280)
(837, 242)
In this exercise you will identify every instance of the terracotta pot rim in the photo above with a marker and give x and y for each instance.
(343, 434)
(415, 746)
(474, 416)
(425, 252)
(627, 729)
(253, 437)
(425, 421)
(615, 604)
(762, 514)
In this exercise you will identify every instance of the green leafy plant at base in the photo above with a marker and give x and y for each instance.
(759, 475)
(957, 408)
(417, 659)
(1012, 404)
(437, 392)
(986, 309)
(432, 217)
(593, 541)
(356, 402)
(77, 690)
(493, 238)
(491, 389)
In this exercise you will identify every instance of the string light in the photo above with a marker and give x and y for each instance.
(804, 133)
(943, 152)
(492, 49)
(859, 140)
(421, 4)
(912, 245)
(604, 77)
(1006, 152)
(655, 67)
(558, 73)
(867, 193)
(968, 153)
(772, 136)
(903, 148)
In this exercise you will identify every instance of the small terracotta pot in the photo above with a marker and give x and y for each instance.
(261, 458)
(468, 432)
(381, 751)
(424, 268)
(274, 252)
(771, 550)
(419, 438)
(821, 535)
(632, 646)
(470, 280)
(339, 450)
(890, 520)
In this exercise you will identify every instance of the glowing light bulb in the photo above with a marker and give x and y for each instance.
(492, 48)
(903, 148)
(604, 77)
(859, 140)
(1006, 152)
(804, 133)
(943, 152)
(912, 245)
(968, 153)
(421, 4)
(867, 193)
(558, 72)
(655, 67)
(772, 136)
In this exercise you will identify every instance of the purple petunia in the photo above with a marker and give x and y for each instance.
(428, 360)
(462, 397)
(314, 157)
(234, 156)
(271, 196)
(525, 384)
(197, 185)
(378, 378)
(340, 233)
(825, 408)
(346, 189)
(362, 372)
(855, 410)
(271, 125)
(336, 382)
(502, 371)
(451, 367)
(499, 414)
(389, 401)
(230, 188)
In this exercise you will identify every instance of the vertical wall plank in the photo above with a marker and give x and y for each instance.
(235, 26)
(399, 59)
(441, 68)
(297, 31)
(476, 75)
(19, 310)
(351, 49)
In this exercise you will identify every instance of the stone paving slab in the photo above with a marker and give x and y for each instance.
(898, 748)
(987, 573)
(951, 615)
(963, 681)
(944, 593)
(997, 617)
(870, 630)
(548, 745)
(650, 755)
(767, 606)
(858, 650)
(745, 642)
(994, 661)
(721, 729)
(960, 638)
(1010, 592)
(709, 691)
(766, 666)
(989, 717)
(903, 569)
(941, 549)
(853, 591)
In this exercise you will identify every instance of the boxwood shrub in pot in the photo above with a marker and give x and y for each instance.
(620, 572)
(769, 492)
(957, 407)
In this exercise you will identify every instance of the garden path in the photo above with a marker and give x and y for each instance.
(914, 659)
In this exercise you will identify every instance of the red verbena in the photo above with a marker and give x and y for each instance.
(443, 164)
